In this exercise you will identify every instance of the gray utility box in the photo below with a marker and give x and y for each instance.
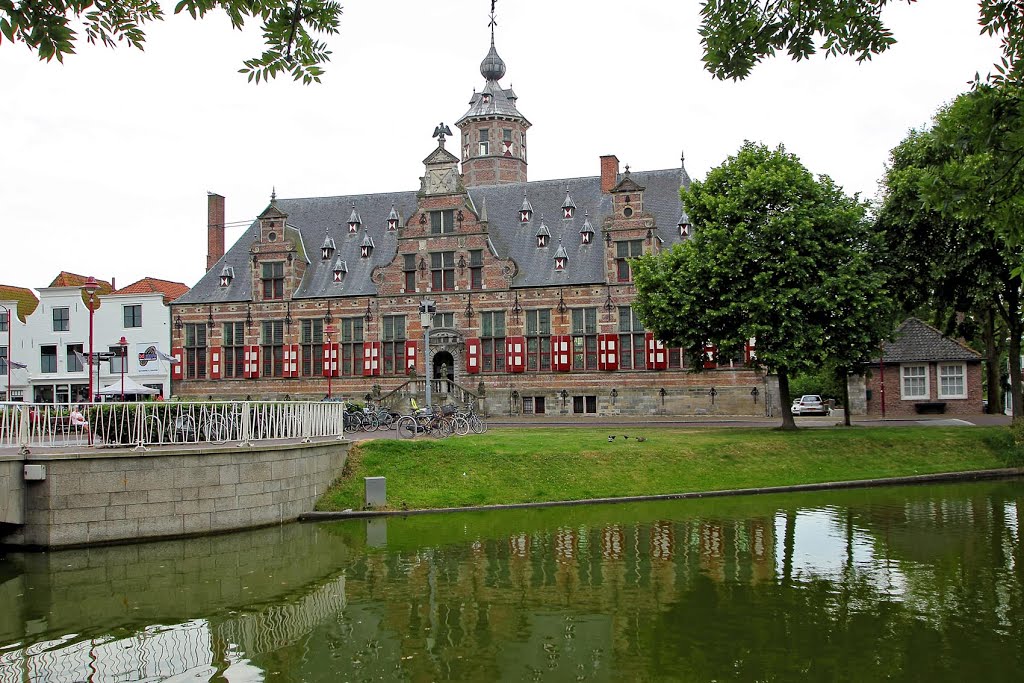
(376, 492)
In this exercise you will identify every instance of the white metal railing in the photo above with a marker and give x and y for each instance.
(155, 423)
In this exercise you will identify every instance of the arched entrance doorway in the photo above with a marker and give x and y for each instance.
(443, 366)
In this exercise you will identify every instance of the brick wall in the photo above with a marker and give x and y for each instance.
(98, 497)
(895, 406)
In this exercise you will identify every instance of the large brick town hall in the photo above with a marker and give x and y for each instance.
(530, 279)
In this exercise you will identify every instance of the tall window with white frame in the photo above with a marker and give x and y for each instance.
(272, 351)
(311, 337)
(351, 346)
(952, 380)
(233, 348)
(538, 340)
(72, 355)
(394, 343)
(584, 339)
(492, 341)
(133, 315)
(631, 340)
(48, 358)
(61, 319)
(913, 382)
(195, 351)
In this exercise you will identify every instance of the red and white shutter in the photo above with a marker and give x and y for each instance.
(330, 364)
(607, 352)
(657, 356)
(710, 356)
(750, 351)
(515, 353)
(178, 368)
(472, 356)
(216, 362)
(410, 356)
(561, 352)
(371, 358)
(251, 362)
(291, 361)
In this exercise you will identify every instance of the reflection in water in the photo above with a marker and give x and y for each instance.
(919, 583)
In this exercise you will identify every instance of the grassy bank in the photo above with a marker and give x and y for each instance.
(533, 465)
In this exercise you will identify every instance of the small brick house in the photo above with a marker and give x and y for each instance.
(921, 371)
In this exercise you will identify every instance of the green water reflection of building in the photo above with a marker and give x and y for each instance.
(921, 580)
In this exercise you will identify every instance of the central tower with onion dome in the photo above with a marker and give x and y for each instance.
(493, 130)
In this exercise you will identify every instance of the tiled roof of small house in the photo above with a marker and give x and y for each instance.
(66, 279)
(916, 341)
(26, 298)
(147, 285)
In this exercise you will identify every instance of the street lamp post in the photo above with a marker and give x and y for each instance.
(90, 288)
(123, 343)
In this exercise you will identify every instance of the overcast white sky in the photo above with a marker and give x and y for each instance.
(105, 160)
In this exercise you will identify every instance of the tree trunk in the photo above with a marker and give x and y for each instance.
(844, 380)
(993, 371)
(787, 402)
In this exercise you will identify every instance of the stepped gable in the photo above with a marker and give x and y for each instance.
(147, 285)
(917, 341)
(26, 298)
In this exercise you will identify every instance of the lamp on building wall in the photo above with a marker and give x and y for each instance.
(423, 219)
(516, 308)
(209, 319)
(423, 266)
(615, 395)
(459, 217)
(609, 305)
(754, 392)
(123, 343)
(462, 264)
(288, 314)
(469, 307)
(661, 393)
(90, 288)
(368, 316)
(561, 307)
(248, 316)
(563, 394)
(712, 392)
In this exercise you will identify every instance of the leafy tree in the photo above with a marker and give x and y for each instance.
(46, 27)
(952, 216)
(776, 254)
(737, 34)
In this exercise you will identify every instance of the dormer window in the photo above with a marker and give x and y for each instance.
(587, 231)
(354, 221)
(543, 234)
(568, 206)
(226, 276)
(327, 249)
(560, 258)
(526, 211)
(340, 270)
(684, 225)
(393, 219)
(366, 248)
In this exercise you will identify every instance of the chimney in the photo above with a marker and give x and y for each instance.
(214, 228)
(609, 172)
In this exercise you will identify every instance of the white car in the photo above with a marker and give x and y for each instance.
(810, 404)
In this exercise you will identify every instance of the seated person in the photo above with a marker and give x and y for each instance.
(78, 420)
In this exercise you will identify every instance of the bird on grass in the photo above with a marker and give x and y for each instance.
(625, 436)
(641, 439)
(611, 437)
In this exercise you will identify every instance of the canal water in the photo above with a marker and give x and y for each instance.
(897, 583)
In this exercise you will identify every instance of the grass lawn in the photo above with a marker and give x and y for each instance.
(548, 464)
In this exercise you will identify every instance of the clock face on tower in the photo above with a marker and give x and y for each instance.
(440, 181)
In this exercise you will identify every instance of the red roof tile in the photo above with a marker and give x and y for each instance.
(170, 290)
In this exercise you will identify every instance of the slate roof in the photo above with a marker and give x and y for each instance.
(319, 217)
(916, 341)
(26, 298)
(170, 290)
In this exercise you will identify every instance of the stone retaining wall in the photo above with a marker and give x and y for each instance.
(100, 497)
